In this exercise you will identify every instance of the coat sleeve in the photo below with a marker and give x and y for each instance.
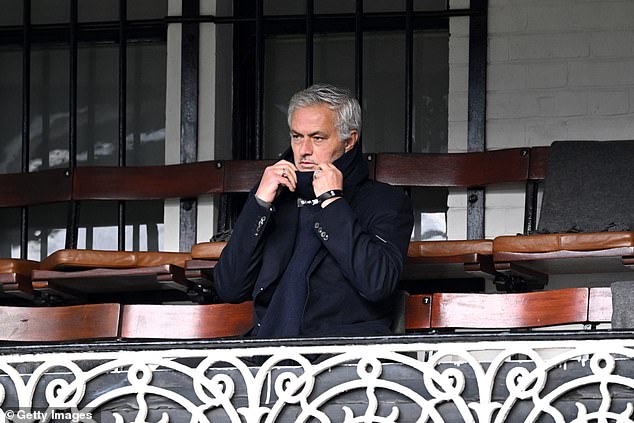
(370, 255)
(238, 266)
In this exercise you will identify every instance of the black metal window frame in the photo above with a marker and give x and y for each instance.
(71, 34)
(251, 27)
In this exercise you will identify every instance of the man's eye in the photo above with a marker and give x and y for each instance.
(318, 139)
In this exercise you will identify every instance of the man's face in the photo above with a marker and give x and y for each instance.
(315, 139)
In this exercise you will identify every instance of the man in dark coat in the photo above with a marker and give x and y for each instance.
(318, 246)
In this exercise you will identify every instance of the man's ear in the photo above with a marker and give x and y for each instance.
(350, 142)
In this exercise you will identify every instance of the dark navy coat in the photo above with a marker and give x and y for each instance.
(353, 277)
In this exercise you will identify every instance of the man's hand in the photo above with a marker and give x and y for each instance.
(280, 174)
(326, 178)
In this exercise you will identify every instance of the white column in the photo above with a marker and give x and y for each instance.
(173, 121)
(207, 208)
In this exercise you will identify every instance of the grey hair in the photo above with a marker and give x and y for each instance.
(345, 106)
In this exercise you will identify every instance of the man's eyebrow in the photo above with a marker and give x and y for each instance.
(311, 134)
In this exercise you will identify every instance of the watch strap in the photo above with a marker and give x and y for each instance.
(331, 193)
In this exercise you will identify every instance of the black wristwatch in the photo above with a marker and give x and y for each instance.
(332, 193)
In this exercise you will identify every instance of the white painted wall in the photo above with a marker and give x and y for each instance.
(558, 70)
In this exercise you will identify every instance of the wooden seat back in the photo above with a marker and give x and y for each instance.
(508, 311)
(459, 260)
(28, 189)
(468, 170)
(154, 321)
(243, 175)
(418, 312)
(185, 180)
(67, 323)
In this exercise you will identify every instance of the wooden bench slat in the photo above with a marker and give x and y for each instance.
(186, 321)
(503, 311)
(476, 169)
(27, 189)
(66, 323)
(185, 180)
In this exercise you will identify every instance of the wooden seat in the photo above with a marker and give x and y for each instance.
(205, 255)
(68, 323)
(541, 255)
(152, 321)
(509, 310)
(15, 276)
(448, 259)
(453, 258)
(82, 274)
(536, 256)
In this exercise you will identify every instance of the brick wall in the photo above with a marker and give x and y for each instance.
(558, 70)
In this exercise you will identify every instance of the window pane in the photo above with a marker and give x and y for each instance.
(146, 9)
(144, 225)
(10, 111)
(431, 88)
(383, 92)
(284, 7)
(284, 75)
(11, 13)
(225, 8)
(383, 6)
(47, 230)
(334, 6)
(224, 87)
(334, 60)
(428, 5)
(108, 10)
(97, 99)
(10, 232)
(98, 107)
(49, 108)
(95, 11)
(400, 5)
(146, 104)
(50, 11)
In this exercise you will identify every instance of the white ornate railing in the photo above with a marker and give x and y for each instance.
(565, 380)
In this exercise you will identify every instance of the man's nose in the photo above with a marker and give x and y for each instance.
(306, 147)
